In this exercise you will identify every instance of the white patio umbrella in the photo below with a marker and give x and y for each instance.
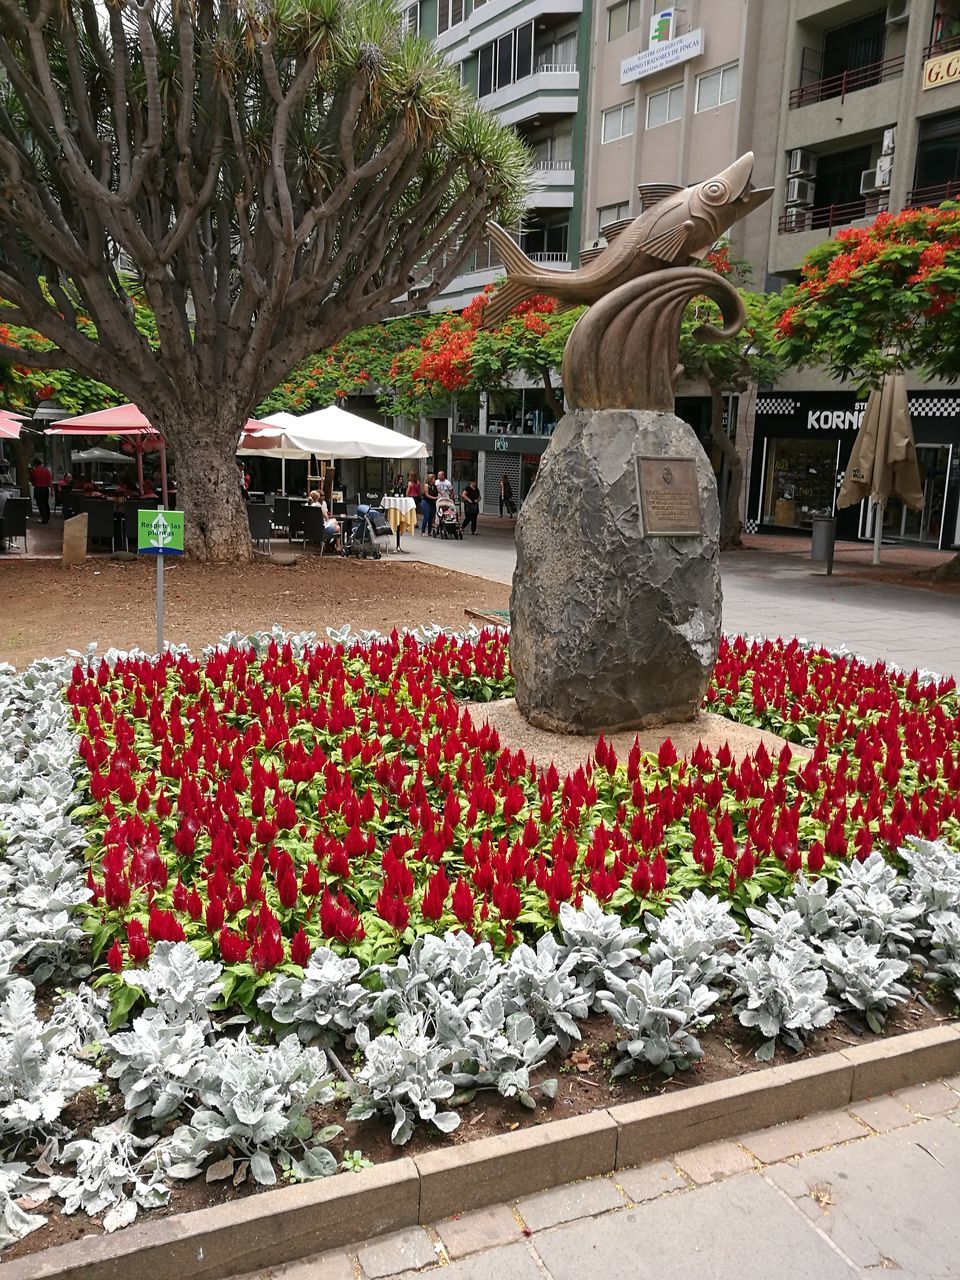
(102, 455)
(328, 433)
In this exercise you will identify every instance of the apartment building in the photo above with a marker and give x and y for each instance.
(858, 111)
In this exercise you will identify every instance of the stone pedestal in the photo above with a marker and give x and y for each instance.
(612, 626)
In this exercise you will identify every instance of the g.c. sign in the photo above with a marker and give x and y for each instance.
(942, 70)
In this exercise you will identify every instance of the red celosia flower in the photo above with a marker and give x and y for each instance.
(115, 958)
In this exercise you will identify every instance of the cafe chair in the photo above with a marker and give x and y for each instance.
(258, 517)
(101, 526)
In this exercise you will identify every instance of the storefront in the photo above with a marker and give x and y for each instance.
(802, 444)
(487, 458)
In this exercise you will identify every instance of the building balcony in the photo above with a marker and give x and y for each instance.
(552, 186)
(949, 45)
(847, 82)
(551, 90)
(922, 197)
(830, 216)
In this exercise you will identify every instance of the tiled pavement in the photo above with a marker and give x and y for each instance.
(873, 1188)
(768, 593)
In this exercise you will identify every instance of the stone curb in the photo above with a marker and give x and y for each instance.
(300, 1221)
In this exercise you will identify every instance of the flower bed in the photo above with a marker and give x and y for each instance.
(360, 869)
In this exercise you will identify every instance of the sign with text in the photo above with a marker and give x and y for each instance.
(160, 533)
(659, 57)
(669, 497)
(501, 444)
(942, 70)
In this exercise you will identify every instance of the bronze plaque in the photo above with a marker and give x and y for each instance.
(670, 497)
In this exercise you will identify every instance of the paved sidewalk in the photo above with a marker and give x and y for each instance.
(766, 593)
(872, 1188)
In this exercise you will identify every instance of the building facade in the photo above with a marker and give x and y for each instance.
(865, 95)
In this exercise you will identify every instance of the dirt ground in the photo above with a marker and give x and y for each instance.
(46, 609)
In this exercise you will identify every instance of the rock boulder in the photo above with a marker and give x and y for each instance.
(612, 628)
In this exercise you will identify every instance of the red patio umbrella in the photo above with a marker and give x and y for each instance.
(127, 421)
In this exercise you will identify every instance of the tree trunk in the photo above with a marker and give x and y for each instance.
(550, 396)
(209, 493)
(731, 525)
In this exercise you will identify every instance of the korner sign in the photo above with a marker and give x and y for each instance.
(835, 419)
(661, 56)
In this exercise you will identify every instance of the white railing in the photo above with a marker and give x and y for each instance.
(557, 68)
(553, 166)
(547, 257)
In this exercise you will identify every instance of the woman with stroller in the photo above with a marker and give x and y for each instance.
(447, 524)
(428, 505)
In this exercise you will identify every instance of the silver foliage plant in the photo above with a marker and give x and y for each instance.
(658, 1012)
(862, 978)
(782, 993)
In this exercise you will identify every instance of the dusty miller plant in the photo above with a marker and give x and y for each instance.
(107, 1164)
(254, 1102)
(405, 1075)
(783, 994)
(500, 1051)
(542, 984)
(183, 987)
(598, 943)
(325, 1004)
(872, 900)
(862, 978)
(694, 935)
(658, 1013)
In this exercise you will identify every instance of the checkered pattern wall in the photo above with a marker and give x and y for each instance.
(935, 406)
(777, 404)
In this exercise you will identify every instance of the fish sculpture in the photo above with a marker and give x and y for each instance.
(677, 227)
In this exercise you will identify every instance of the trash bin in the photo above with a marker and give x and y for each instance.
(823, 539)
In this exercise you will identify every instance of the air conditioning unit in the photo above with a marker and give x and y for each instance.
(878, 179)
(800, 192)
(898, 12)
(801, 164)
(889, 141)
(795, 219)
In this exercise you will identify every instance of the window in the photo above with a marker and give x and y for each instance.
(449, 14)
(717, 87)
(622, 18)
(545, 236)
(664, 106)
(617, 122)
(410, 19)
(505, 60)
(611, 213)
(553, 152)
(561, 51)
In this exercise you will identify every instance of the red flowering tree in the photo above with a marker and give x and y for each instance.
(879, 299)
(458, 357)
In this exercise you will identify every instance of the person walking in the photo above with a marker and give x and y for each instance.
(41, 477)
(470, 497)
(444, 486)
(506, 496)
(428, 505)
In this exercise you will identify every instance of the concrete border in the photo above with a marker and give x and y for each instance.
(297, 1222)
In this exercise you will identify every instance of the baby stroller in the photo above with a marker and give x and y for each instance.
(448, 526)
(369, 527)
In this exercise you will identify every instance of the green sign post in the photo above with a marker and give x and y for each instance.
(160, 534)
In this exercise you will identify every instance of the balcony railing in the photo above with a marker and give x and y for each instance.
(947, 45)
(486, 258)
(920, 197)
(839, 86)
(553, 166)
(556, 68)
(826, 217)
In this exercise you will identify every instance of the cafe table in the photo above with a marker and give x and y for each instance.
(401, 513)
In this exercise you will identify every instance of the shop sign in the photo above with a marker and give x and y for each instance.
(531, 459)
(500, 444)
(835, 419)
(942, 70)
(462, 455)
(661, 56)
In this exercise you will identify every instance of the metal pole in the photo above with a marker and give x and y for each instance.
(877, 530)
(160, 597)
(283, 476)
